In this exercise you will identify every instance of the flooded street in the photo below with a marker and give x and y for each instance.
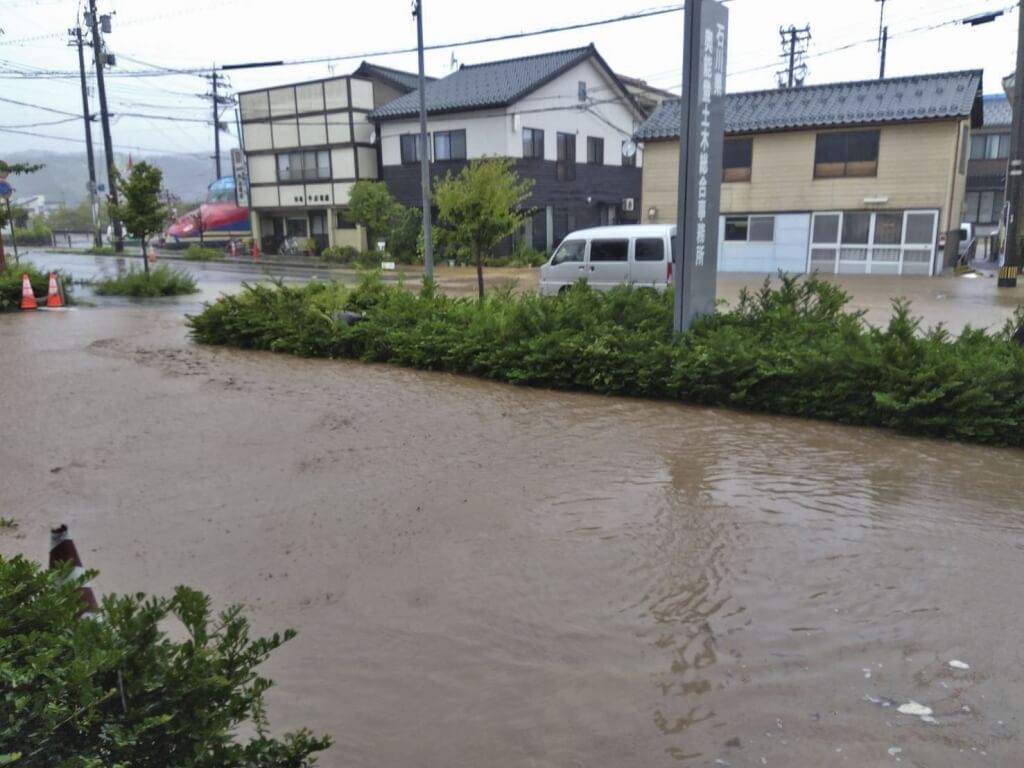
(483, 575)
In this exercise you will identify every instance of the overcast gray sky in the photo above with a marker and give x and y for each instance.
(190, 33)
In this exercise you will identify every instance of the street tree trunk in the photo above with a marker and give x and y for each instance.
(479, 259)
(3, 259)
(145, 256)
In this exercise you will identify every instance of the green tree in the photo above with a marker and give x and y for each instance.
(480, 207)
(8, 169)
(141, 210)
(77, 219)
(372, 206)
(120, 693)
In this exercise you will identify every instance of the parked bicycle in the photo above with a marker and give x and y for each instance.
(289, 247)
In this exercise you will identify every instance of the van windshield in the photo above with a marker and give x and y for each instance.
(570, 250)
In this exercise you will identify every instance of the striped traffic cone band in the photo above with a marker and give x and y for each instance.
(28, 298)
(63, 550)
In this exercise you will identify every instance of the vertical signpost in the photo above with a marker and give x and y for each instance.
(241, 173)
(705, 37)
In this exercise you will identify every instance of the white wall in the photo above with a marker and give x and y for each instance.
(486, 133)
(787, 252)
(560, 101)
(552, 108)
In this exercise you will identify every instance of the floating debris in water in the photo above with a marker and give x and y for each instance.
(867, 673)
(893, 751)
(929, 719)
(913, 708)
(958, 664)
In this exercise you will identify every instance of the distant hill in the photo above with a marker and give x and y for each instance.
(65, 176)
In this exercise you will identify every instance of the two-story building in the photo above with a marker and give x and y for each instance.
(986, 173)
(306, 144)
(565, 118)
(853, 178)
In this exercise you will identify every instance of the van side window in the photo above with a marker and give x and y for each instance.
(609, 250)
(650, 249)
(570, 250)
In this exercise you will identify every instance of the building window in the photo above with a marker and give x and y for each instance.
(410, 148)
(995, 146)
(533, 143)
(449, 145)
(846, 153)
(628, 161)
(595, 150)
(304, 166)
(343, 222)
(737, 158)
(566, 170)
(984, 207)
(753, 229)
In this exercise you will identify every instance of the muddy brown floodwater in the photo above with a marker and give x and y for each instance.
(489, 576)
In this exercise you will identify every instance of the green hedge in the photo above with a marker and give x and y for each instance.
(795, 349)
(138, 284)
(10, 285)
(202, 253)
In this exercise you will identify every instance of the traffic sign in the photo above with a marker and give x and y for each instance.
(5, 188)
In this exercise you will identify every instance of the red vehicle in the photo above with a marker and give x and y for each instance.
(219, 220)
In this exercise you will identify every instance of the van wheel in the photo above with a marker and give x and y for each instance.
(563, 289)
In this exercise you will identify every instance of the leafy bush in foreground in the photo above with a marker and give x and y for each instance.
(202, 253)
(791, 350)
(81, 693)
(10, 285)
(160, 281)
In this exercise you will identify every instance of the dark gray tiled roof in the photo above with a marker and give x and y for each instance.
(997, 111)
(405, 81)
(478, 86)
(921, 97)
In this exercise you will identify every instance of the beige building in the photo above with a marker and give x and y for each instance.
(306, 144)
(857, 178)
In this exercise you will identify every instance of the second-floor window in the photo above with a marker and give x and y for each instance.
(628, 161)
(737, 158)
(304, 166)
(846, 153)
(984, 207)
(533, 143)
(566, 169)
(449, 145)
(595, 150)
(410, 148)
(993, 147)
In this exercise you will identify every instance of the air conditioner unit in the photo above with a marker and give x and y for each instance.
(628, 204)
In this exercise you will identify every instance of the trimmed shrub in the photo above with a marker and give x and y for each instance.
(202, 253)
(101, 250)
(794, 349)
(159, 281)
(343, 254)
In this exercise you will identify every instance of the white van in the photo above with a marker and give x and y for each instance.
(608, 256)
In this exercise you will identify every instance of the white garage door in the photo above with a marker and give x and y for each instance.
(764, 243)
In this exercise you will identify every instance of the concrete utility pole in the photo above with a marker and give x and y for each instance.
(794, 50)
(428, 241)
(76, 35)
(1014, 258)
(108, 144)
(885, 44)
(216, 122)
(883, 39)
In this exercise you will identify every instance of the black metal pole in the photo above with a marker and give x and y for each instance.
(428, 240)
(88, 140)
(14, 236)
(1011, 267)
(108, 144)
(885, 44)
(792, 54)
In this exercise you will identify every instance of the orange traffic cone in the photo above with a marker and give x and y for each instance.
(152, 255)
(28, 298)
(62, 550)
(54, 299)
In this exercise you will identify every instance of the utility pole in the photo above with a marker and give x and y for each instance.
(108, 144)
(428, 243)
(1014, 258)
(216, 123)
(76, 35)
(794, 49)
(218, 102)
(883, 38)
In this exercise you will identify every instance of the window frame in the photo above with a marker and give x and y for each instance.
(565, 166)
(307, 167)
(645, 241)
(747, 224)
(414, 139)
(628, 162)
(595, 150)
(452, 137)
(740, 173)
(563, 246)
(841, 146)
(597, 242)
(536, 136)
